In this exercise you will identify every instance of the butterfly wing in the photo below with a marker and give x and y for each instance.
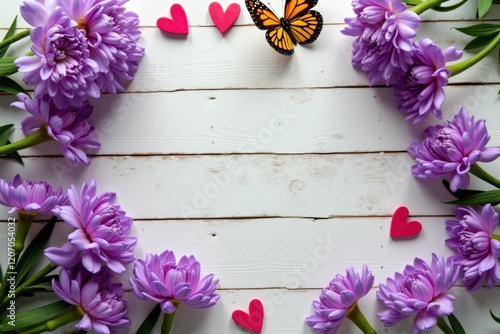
(262, 16)
(280, 40)
(265, 19)
(295, 8)
(306, 27)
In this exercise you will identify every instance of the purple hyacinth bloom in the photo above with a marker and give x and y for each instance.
(60, 66)
(32, 197)
(162, 280)
(338, 298)
(69, 127)
(422, 290)
(384, 32)
(99, 300)
(478, 252)
(420, 88)
(102, 231)
(452, 149)
(112, 39)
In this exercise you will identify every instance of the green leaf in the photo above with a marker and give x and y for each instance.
(497, 319)
(482, 7)
(479, 42)
(460, 193)
(4, 133)
(449, 8)
(34, 250)
(10, 86)
(33, 317)
(484, 197)
(45, 284)
(7, 66)
(412, 2)
(484, 29)
(455, 324)
(149, 323)
(10, 33)
(15, 155)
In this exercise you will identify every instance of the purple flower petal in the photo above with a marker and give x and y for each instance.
(28, 196)
(95, 295)
(471, 237)
(161, 279)
(102, 230)
(337, 298)
(421, 290)
(452, 150)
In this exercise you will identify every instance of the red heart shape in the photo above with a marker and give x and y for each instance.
(178, 24)
(253, 320)
(400, 228)
(224, 20)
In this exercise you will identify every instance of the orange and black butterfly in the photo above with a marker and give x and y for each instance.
(299, 24)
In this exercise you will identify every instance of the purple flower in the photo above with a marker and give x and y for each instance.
(112, 39)
(478, 252)
(420, 87)
(338, 299)
(162, 280)
(384, 32)
(452, 149)
(33, 197)
(102, 232)
(69, 127)
(422, 290)
(60, 66)
(99, 300)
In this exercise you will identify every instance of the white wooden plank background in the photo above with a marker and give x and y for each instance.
(277, 173)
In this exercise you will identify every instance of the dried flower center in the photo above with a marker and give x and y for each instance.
(82, 24)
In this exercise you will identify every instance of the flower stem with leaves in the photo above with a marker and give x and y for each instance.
(38, 137)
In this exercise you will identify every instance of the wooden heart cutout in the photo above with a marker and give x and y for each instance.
(224, 20)
(254, 320)
(400, 228)
(178, 24)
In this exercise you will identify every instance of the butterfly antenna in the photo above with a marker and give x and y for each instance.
(272, 9)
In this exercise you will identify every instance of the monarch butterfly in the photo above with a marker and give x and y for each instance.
(299, 24)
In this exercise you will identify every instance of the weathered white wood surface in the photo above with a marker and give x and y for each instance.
(277, 173)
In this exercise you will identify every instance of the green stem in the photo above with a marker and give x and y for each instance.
(462, 66)
(30, 281)
(358, 318)
(422, 7)
(73, 314)
(168, 319)
(15, 38)
(495, 236)
(23, 227)
(38, 137)
(444, 326)
(476, 170)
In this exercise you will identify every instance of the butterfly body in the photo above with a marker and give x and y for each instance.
(298, 25)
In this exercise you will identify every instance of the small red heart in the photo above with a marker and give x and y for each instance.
(178, 24)
(253, 320)
(224, 20)
(400, 227)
